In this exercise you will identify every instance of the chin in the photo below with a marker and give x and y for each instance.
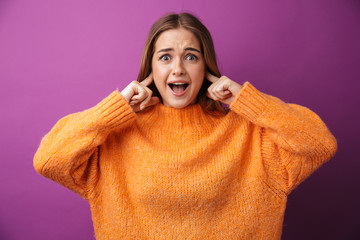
(178, 104)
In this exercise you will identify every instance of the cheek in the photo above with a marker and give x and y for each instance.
(197, 73)
(160, 72)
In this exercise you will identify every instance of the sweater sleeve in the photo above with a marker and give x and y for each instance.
(68, 154)
(294, 140)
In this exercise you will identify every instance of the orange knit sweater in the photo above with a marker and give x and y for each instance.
(167, 173)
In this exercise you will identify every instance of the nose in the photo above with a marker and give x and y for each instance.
(178, 68)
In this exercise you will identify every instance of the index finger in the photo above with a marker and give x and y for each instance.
(146, 82)
(211, 77)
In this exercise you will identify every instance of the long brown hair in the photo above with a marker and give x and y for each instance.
(192, 24)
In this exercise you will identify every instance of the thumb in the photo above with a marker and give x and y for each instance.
(152, 101)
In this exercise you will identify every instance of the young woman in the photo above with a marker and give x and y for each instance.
(164, 159)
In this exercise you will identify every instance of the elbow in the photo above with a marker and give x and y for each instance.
(325, 150)
(39, 163)
(333, 146)
(329, 147)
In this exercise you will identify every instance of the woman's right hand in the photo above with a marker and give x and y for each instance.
(138, 95)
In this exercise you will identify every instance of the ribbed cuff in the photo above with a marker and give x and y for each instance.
(114, 110)
(249, 103)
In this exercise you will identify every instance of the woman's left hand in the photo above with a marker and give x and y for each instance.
(222, 89)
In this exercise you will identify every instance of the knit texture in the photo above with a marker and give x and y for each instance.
(167, 173)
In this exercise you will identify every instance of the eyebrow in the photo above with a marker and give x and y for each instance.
(171, 49)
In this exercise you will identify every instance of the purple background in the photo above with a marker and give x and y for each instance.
(58, 57)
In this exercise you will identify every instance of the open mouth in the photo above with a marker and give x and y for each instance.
(178, 88)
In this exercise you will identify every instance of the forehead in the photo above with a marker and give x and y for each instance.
(178, 39)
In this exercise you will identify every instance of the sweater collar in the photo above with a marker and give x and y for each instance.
(191, 118)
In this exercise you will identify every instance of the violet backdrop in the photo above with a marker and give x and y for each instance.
(59, 57)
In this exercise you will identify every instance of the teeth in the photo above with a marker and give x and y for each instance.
(177, 83)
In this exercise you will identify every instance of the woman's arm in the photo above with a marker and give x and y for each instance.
(294, 140)
(68, 154)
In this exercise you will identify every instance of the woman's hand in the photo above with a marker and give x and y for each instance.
(138, 95)
(222, 89)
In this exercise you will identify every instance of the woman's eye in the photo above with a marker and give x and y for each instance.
(191, 57)
(165, 58)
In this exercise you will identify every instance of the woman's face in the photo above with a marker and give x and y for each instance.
(178, 67)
